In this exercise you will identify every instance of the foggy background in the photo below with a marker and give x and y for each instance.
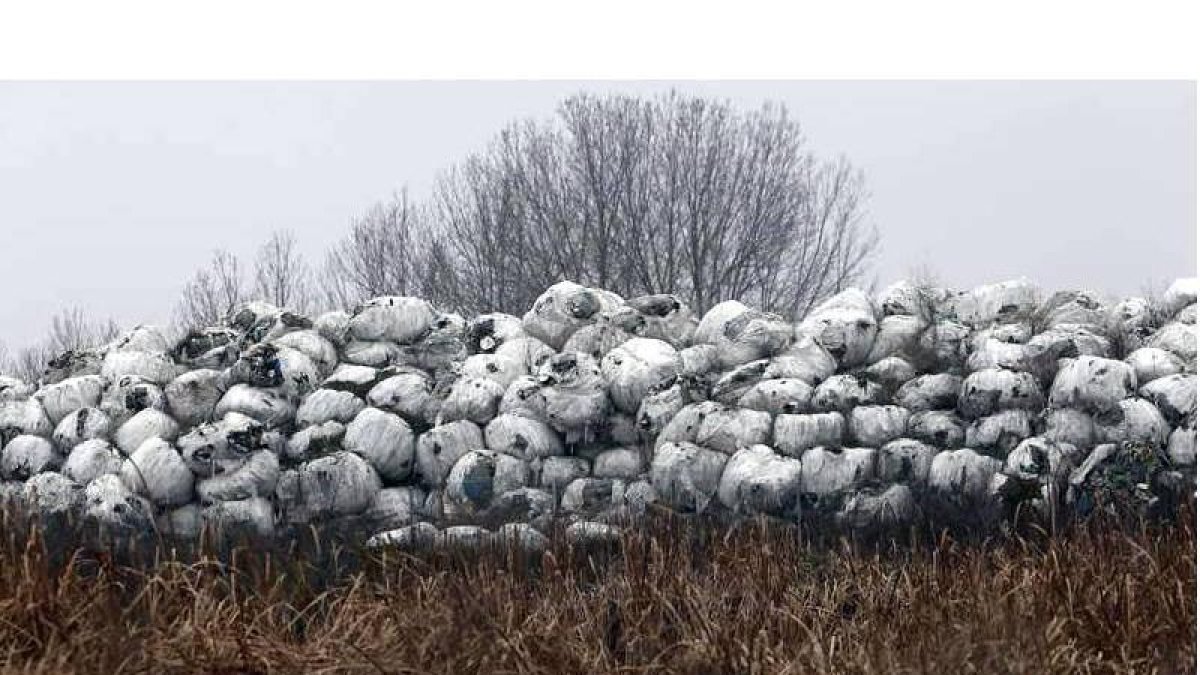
(112, 194)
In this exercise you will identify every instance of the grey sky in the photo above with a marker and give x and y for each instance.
(111, 194)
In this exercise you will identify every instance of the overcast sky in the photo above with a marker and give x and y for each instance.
(111, 194)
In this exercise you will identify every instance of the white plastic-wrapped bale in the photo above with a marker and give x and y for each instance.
(998, 434)
(72, 363)
(1036, 360)
(1004, 333)
(529, 352)
(597, 339)
(729, 387)
(874, 509)
(394, 507)
(1133, 320)
(268, 366)
(226, 442)
(890, 372)
(794, 434)
(986, 392)
(524, 396)
(52, 494)
(1151, 363)
(1066, 425)
(783, 395)
(418, 536)
(685, 476)
(373, 354)
(471, 398)
(522, 437)
(326, 405)
(26, 456)
(384, 440)
(313, 441)
(874, 425)
(940, 428)
(829, 471)
(500, 369)
(235, 476)
(154, 367)
(194, 395)
(148, 423)
(358, 380)
(756, 480)
(1180, 294)
(1072, 308)
(942, 347)
(114, 509)
(82, 425)
(844, 325)
(1177, 338)
(480, 475)
(625, 463)
(13, 389)
(895, 336)
(1093, 384)
(140, 338)
(333, 326)
(91, 459)
(846, 391)
(684, 425)
(488, 332)
(1181, 446)
(1040, 459)
(1073, 341)
(658, 408)
(320, 351)
(408, 393)
(269, 406)
(903, 298)
(130, 395)
(576, 394)
(904, 460)
(1135, 421)
(666, 318)
(998, 302)
(213, 347)
(1175, 396)
(156, 471)
(252, 518)
(441, 347)
(963, 473)
(339, 484)
(558, 472)
(439, 448)
(398, 319)
(69, 395)
(729, 429)
(23, 417)
(747, 335)
(936, 391)
(564, 308)
(637, 367)
(698, 360)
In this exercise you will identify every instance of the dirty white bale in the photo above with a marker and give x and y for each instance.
(393, 508)
(730, 386)
(639, 495)
(1151, 363)
(269, 406)
(564, 308)
(253, 517)
(488, 332)
(408, 393)
(1177, 338)
(625, 463)
(500, 369)
(666, 318)
(26, 456)
(182, 523)
(333, 326)
(686, 423)
(221, 447)
(1004, 333)
(149, 423)
(1135, 421)
(940, 428)
(756, 480)
(845, 391)
(844, 325)
(315, 440)
(526, 504)
(793, 434)
(129, 395)
(1180, 294)
(23, 417)
(1175, 396)
(480, 475)
(618, 429)
(698, 360)
(986, 392)
(140, 338)
(783, 395)
(1134, 319)
(246, 315)
(592, 495)
(998, 302)
(266, 365)
(1072, 308)
(598, 339)
(529, 352)
(522, 537)
(72, 363)
(1093, 384)
(440, 348)
(999, 433)
(730, 429)
(636, 367)
(236, 476)
(524, 396)
(903, 298)
(943, 346)
(1187, 315)
(895, 336)
(868, 509)
(339, 484)
(1042, 460)
(576, 394)
(13, 389)
(463, 538)
(113, 508)
(52, 494)
(874, 425)
(936, 391)
(69, 395)
(82, 425)
(685, 476)
(156, 471)
(440, 447)
(558, 472)
(1072, 341)
(904, 460)
(522, 437)
(371, 354)
(193, 396)
(91, 459)
(415, 536)
(358, 380)
(747, 336)
(1040, 361)
(1181, 446)
(592, 535)
(212, 347)
(384, 440)
(154, 367)
(828, 471)
(317, 349)
(658, 408)
(714, 321)
(471, 398)
(891, 372)
(326, 405)
(398, 319)
(1066, 425)
(963, 473)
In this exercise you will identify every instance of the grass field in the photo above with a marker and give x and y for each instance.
(674, 598)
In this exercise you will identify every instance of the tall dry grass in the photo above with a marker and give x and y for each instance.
(675, 597)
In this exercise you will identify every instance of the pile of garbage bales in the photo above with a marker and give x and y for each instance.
(416, 424)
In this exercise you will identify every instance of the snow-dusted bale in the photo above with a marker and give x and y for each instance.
(325, 405)
(1175, 396)
(1092, 384)
(637, 367)
(1177, 338)
(904, 460)
(943, 346)
(69, 395)
(269, 406)
(756, 480)
(502, 370)
(488, 332)
(698, 360)
(23, 417)
(314, 441)
(396, 319)
(52, 494)
(471, 398)
(623, 463)
(522, 437)
(90, 460)
(439, 448)
(844, 325)
(156, 367)
(730, 429)
(874, 425)
(986, 392)
(235, 476)
(194, 395)
(940, 428)
(999, 302)
(558, 472)
(1181, 447)
(1135, 421)
(576, 394)
(525, 397)
(82, 425)
(563, 309)
(1066, 425)
(529, 352)
(1072, 308)
(115, 510)
(658, 408)
(1151, 363)
(845, 391)
(685, 476)
(963, 473)
(830, 471)
(896, 336)
(780, 395)
(408, 393)
(1180, 294)
(13, 389)
(339, 484)
(891, 372)
(25, 456)
(130, 395)
(665, 317)
(998, 434)
(213, 347)
(480, 475)
(384, 440)
(156, 471)
(1037, 360)
(320, 351)
(794, 434)
(371, 354)
(806, 359)
(598, 339)
(936, 391)
(149, 423)
(394, 507)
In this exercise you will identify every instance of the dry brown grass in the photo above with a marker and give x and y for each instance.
(679, 599)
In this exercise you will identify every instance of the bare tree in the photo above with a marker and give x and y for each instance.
(381, 255)
(212, 292)
(673, 194)
(72, 329)
(281, 277)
